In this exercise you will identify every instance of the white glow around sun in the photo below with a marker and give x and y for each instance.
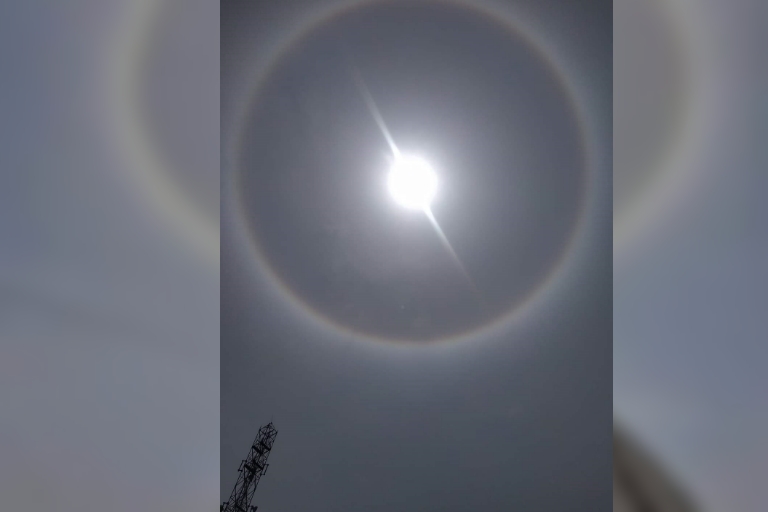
(412, 182)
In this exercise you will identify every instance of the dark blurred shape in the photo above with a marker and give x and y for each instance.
(640, 484)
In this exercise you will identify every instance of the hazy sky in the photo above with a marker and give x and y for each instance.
(317, 261)
(109, 374)
(689, 270)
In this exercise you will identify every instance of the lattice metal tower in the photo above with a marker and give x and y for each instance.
(251, 470)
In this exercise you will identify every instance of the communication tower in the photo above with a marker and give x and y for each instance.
(251, 470)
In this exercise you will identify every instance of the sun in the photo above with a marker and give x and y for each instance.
(412, 182)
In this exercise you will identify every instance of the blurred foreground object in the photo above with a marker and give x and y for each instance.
(639, 484)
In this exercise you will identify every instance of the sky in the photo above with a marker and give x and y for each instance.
(392, 383)
(690, 247)
(109, 310)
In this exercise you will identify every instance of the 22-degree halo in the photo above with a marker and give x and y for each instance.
(555, 279)
(412, 182)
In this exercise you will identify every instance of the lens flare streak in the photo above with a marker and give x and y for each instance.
(376, 114)
(374, 110)
(448, 247)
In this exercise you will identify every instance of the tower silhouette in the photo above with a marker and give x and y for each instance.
(252, 468)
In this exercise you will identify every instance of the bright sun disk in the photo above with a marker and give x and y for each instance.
(412, 182)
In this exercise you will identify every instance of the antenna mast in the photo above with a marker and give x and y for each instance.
(251, 470)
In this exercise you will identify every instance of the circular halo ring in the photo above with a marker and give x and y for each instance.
(149, 170)
(675, 163)
(538, 294)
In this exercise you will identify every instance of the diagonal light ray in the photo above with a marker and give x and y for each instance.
(448, 247)
(374, 110)
(376, 114)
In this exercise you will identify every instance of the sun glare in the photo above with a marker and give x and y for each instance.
(412, 182)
